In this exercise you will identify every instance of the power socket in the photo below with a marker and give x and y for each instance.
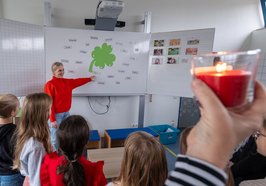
(173, 123)
(134, 125)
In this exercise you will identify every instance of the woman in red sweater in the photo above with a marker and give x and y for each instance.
(60, 90)
(69, 167)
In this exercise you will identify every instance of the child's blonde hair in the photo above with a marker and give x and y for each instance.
(183, 140)
(144, 161)
(34, 123)
(8, 104)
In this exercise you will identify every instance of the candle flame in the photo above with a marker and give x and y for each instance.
(221, 67)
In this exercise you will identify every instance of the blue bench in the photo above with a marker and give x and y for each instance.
(94, 140)
(116, 137)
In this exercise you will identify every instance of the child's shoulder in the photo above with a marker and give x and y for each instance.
(94, 165)
(52, 155)
(32, 145)
(7, 126)
(6, 133)
(84, 160)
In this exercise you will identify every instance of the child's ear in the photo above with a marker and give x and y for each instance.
(13, 113)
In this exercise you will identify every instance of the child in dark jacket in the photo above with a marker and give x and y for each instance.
(9, 105)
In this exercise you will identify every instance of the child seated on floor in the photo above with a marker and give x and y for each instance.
(69, 167)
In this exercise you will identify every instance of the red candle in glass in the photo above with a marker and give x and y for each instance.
(229, 85)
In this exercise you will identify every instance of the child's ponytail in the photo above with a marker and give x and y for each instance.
(72, 136)
(72, 171)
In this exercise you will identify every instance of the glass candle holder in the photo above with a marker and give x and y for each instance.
(231, 75)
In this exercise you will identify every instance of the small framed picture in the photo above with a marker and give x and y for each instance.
(184, 60)
(171, 60)
(174, 42)
(173, 51)
(191, 51)
(193, 42)
(158, 43)
(158, 52)
(157, 61)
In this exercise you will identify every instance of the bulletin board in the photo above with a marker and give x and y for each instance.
(119, 60)
(22, 58)
(258, 38)
(170, 54)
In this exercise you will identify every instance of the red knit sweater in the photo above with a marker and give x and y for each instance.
(60, 90)
(93, 171)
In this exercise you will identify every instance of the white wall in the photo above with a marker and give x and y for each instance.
(28, 11)
(1, 9)
(122, 112)
(161, 110)
(234, 20)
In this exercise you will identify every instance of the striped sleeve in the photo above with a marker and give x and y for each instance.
(192, 171)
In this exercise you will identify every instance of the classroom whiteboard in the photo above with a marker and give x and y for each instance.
(22, 58)
(170, 54)
(118, 59)
(258, 38)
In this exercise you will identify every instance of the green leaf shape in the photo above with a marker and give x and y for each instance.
(102, 56)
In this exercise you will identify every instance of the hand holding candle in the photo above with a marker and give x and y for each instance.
(232, 78)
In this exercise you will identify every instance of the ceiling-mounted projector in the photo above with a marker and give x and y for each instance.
(107, 13)
(109, 8)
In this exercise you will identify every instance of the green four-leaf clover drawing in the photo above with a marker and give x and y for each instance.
(102, 56)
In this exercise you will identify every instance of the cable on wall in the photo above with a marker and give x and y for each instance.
(107, 106)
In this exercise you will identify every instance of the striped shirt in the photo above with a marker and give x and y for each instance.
(192, 171)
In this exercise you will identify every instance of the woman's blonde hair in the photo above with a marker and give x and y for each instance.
(55, 66)
(8, 104)
(33, 123)
(144, 161)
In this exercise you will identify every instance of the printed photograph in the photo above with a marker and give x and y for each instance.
(173, 51)
(158, 43)
(193, 42)
(171, 60)
(158, 52)
(191, 51)
(174, 42)
(157, 61)
(184, 60)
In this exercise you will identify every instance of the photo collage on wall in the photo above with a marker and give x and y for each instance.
(169, 51)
